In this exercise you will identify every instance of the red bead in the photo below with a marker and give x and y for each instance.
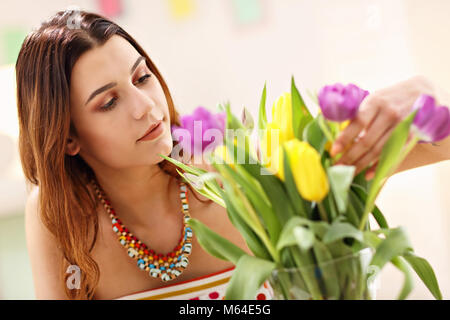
(164, 258)
(146, 252)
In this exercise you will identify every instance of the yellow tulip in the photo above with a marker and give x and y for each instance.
(270, 144)
(282, 117)
(309, 175)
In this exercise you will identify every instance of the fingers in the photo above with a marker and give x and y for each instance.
(370, 173)
(374, 153)
(366, 114)
(384, 121)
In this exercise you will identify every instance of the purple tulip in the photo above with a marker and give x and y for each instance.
(431, 123)
(200, 129)
(339, 103)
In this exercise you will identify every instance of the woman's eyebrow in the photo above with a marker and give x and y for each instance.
(112, 84)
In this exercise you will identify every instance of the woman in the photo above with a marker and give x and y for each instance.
(87, 99)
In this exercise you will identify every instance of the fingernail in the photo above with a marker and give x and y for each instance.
(370, 175)
(335, 149)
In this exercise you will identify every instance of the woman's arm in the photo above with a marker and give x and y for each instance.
(364, 138)
(44, 256)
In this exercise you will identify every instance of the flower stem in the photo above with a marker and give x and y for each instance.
(400, 159)
(322, 211)
(323, 124)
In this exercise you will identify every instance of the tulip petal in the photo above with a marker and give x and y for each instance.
(426, 106)
(438, 126)
(339, 103)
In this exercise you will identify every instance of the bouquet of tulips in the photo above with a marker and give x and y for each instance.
(295, 207)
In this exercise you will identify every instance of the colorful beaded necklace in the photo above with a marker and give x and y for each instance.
(164, 266)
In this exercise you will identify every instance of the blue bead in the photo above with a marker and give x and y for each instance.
(140, 261)
(172, 265)
(152, 266)
(179, 258)
(163, 268)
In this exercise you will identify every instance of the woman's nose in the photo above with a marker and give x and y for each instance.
(141, 104)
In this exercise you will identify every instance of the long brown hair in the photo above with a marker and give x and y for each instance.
(43, 70)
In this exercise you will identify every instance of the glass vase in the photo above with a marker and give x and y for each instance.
(345, 278)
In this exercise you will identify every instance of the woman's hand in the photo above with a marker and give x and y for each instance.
(363, 139)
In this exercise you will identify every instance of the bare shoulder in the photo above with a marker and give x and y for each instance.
(45, 257)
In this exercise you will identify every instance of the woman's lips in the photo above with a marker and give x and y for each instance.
(153, 132)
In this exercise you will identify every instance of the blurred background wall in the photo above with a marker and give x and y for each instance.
(213, 51)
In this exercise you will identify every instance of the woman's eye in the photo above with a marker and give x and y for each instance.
(144, 78)
(111, 104)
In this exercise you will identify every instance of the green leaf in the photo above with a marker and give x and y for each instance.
(248, 276)
(355, 209)
(395, 244)
(251, 239)
(408, 284)
(425, 272)
(257, 200)
(388, 161)
(376, 212)
(272, 186)
(215, 244)
(300, 113)
(374, 241)
(320, 228)
(340, 230)
(247, 212)
(195, 182)
(340, 178)
(262, 120)
(189, 169)
(294, 233)
(313, 134)
(328, 270)
(232, 122)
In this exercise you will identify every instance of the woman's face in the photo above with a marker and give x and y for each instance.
(110, 121)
